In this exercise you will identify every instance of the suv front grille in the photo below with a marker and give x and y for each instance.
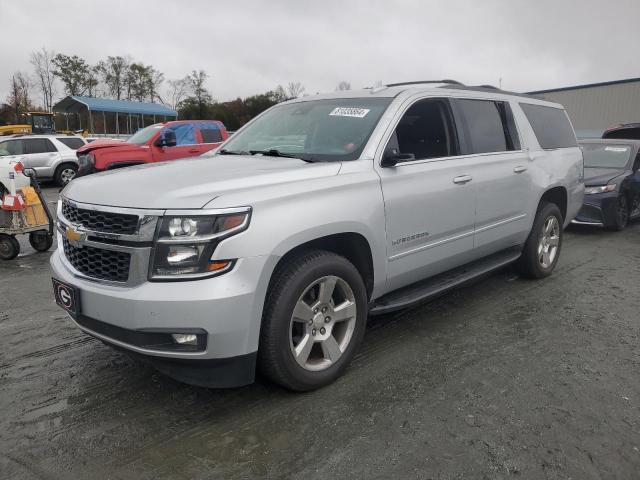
(98, 263)
(107, 222)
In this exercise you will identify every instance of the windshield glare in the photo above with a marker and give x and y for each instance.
(318, 130)
(606, 156)
(143, 136)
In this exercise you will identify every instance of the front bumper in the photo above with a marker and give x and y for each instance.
(598, 210)
(226, 308)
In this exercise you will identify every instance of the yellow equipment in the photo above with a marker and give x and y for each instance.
(33, 122)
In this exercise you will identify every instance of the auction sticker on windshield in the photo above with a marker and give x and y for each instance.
(349, 112)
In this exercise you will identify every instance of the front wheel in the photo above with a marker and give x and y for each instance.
(314, 319)
(622, 213)
(542, 249)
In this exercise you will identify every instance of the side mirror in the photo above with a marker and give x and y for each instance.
(393, 156)
(167, 139)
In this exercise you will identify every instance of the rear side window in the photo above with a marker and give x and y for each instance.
(210, 134)
(488, 126)
(551, 126)
(39, 145)
(71, 142)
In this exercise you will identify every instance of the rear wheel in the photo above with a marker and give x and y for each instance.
(40, 241)
(622, 213)
(542, 249)
(313, 322)
(65, 173)
(9, 247)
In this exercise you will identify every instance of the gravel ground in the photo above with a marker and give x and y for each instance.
(503, 378)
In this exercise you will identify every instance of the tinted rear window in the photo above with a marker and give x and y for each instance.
(211, 135)
(71, 142)
(551, 126)
(489, 126)
(39, 145)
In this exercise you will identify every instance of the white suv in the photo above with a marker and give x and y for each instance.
(52, 157)
(319, 212)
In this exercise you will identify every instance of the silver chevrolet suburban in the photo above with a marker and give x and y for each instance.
(271, 252)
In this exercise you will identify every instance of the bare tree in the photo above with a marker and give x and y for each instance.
(279, 94)
(343, 85)
(178, 89)
(43, 67)
(295, 89)
(18, 99)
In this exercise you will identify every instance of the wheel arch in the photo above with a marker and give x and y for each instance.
(557, 195)
(354, 246)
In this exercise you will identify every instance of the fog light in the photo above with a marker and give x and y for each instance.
(185, 338)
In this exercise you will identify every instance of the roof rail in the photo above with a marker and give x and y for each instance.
(400, 84)
(491, 87)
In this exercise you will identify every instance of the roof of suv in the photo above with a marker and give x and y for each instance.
(446, 87)
(39, 135)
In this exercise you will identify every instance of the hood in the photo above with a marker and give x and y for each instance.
(600, 176)
(107, 143)
(192, 182)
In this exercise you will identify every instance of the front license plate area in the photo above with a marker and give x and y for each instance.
(67, 296)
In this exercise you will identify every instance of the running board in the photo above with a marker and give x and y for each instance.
(426, 289)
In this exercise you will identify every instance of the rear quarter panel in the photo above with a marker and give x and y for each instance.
(549, 168)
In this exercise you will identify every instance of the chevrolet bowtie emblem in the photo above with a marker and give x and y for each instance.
(75, 237)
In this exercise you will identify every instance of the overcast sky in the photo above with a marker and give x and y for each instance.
(249, 47)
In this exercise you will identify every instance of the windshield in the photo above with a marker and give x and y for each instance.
(606, 156)
(143, 136)
(315, 130)
(42, 122)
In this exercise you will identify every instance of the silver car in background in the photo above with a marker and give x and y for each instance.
(318, 213)
(53, 157)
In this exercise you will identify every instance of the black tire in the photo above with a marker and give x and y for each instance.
(275, 358)
(40, 241)
(61, 177)
(9, 247)
(622, 213)
(529, 264)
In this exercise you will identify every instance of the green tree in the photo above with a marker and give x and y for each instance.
(74, 73)
(200, 96)
(113, 72)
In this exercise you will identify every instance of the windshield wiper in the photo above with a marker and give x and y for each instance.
(224, 151)
(277, 153)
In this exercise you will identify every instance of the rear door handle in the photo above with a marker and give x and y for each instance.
(194, 150)
(462, 179)
(519, 169)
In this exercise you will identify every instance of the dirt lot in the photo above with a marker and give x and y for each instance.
(504, 378)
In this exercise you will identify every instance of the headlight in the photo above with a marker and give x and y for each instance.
(599, 189)
(185, 244)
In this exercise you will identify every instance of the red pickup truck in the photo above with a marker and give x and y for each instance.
(155, 143)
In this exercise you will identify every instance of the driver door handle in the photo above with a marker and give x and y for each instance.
(519, 169)
(462, 179)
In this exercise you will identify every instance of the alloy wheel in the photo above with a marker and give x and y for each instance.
(549, 242)
(67, 175)
(322, 323)
(622, 212)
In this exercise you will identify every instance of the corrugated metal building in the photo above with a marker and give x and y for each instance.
(595, 107)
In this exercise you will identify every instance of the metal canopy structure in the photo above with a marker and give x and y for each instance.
(131, 110)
